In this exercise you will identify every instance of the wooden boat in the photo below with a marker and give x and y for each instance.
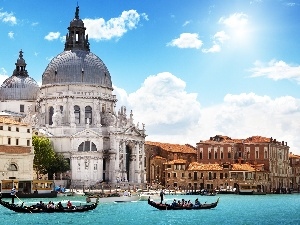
(251, 189)
(35, 209)
(171, 207)
(29, 188)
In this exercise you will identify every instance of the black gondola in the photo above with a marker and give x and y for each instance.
(171, 207)
(34, 209)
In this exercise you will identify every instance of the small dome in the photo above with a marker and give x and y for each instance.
(77, 66)
(19, 86)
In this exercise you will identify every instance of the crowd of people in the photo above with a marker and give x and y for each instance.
(51, 205)
(185, 203)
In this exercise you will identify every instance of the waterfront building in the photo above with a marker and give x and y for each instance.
(75, 109)
(160, 155)
(16, 151)
(294, 172)
(272, 155)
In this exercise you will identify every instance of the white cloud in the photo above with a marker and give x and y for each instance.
(62, 39)
(244, 115)
(8, 18)
(221, 36)
(3, 75)
(186, 40)
(99, 29)
(52, 36)
(218, 39)
(276, 70)
(162, 104)
(235, 20)
(11, 35)
(215, 48)
(172, 115)
(186, 23)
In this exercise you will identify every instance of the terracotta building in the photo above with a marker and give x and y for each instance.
(295, 172)
(160, 155)
(271, 155)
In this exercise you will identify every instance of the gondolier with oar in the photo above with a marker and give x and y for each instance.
(13, 194)
(161, 195)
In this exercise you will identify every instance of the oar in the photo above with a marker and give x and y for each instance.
(23, 203)
(19, 199)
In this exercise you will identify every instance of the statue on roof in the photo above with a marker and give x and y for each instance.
(77, 12)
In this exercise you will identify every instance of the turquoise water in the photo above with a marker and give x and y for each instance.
(232, 209)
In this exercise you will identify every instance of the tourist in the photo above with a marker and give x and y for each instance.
(40, 205)
(50, 205)
(13, 194)
(197, 203)
(69, 204)
(59, 206)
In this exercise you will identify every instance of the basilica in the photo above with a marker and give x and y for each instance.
(76, 109)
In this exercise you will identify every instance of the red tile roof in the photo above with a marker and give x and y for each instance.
(173, 147)
(242, 167)
(8, 120)
(14, 149)
(204, 167)
(176, 161)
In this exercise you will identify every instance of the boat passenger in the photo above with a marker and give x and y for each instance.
(50, 205)
(59, 205)
(40, 205)
(197, 203)
(69, 204)
(174, 203)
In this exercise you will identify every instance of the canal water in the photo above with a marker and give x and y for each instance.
(232, 209)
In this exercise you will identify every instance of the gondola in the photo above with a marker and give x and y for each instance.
(171, 207)
(34, 209)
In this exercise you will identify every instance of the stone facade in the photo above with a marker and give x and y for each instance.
(76, 109)
(16, 151)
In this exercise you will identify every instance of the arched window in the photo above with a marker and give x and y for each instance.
(88, 114)
(77, 114)
(87, 146)
(51, 112)
(13, 167)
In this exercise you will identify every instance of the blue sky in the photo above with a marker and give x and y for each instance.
(188, 69)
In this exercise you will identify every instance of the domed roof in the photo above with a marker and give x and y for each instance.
(77, 66)
(19, 86)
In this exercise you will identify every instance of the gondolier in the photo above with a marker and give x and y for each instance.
(13, 194)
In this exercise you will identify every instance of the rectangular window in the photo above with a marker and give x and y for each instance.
(21, 108)
(17, 129)
(17, 141)
(169, 175)
(8, 141)
(28, 130)
(28, 142)
(182, 175)
(1, 127)
(9, 128)
(95, 166)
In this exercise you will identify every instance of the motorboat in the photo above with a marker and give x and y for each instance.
(144, 196)
(112, 198)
